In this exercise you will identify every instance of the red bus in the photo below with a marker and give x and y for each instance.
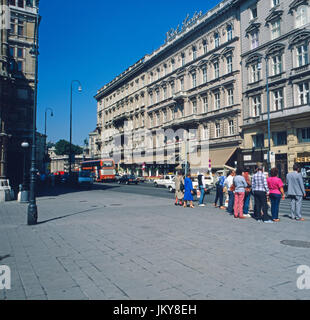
(103, 170)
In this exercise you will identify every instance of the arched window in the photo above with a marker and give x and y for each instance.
(229, 32)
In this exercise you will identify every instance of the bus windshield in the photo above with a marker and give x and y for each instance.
(106, 164)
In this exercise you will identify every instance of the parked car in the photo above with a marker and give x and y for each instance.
(128, 179)
(85, 178)
(141, 179)
(164, 182)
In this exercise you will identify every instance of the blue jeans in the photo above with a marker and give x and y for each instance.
(246, 203)
(275, 204)
(202, 195)
(219, 195)
(231, 202)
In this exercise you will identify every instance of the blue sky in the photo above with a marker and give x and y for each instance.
(93, 41)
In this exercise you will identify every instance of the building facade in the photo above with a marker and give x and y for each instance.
(17, 76)
(182, 99)
(275, 37)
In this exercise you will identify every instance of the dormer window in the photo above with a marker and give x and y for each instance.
(275, 29)
(229, 33)
(274, 3)
(254, 12)
(302, 16)
(216, 40)
(194, 53)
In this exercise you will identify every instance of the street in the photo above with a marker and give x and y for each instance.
(131, 243)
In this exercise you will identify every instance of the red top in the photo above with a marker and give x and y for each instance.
(274, 185)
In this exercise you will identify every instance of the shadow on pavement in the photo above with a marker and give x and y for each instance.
(50, 191)
(69, 215)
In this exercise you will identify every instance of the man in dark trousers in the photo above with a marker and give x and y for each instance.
(261, 191)
(296, 191)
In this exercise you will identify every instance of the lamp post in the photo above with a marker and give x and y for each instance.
(45, 121)
(32, 214)
(70, 146)
(268, 114)
(24, 190)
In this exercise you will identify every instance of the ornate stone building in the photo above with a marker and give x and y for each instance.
(17, 68)
(183, 96)
(275, 47)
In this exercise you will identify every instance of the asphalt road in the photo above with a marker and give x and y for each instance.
(161, 192)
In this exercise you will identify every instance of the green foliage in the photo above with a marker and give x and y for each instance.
(63, 148)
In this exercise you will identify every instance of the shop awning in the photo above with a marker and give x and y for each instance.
(220, 157)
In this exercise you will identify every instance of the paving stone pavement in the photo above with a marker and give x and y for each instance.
(98, 245)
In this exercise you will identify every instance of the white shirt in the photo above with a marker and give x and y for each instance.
(229, 182)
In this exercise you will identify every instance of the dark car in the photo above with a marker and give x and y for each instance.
(127, 179)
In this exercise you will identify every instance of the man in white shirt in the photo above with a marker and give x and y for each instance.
(229, 182)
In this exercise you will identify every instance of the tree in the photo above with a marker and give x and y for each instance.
(63, 148)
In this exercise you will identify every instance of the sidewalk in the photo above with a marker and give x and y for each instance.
(96, 245)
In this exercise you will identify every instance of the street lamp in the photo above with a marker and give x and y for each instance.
(268, 114)
(70, 146)
(45, 150)
(24, 195)
(32, 214)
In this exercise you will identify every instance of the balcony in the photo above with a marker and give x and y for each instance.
(179, 96)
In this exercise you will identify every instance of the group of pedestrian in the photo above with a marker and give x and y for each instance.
(241, 187)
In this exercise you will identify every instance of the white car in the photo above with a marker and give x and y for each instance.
(165, 182)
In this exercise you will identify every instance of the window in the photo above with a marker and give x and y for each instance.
(151, 120)
(21, 3)
(217, 130)
(217, 100)
(182, 84)
(229, 33)
(194, 107)
(216, 70)
(165, 93)
(277, 99)
(254, 40)
(194, 80)
(20, 53)
(258, 141)
(231, 127)
(172, 89)
(165, 69)
(204, 75)
(172, 65)
(151, 98)
(277, 64)
(157, 119)
(157, 96)
(158, 73)
(255, 72)
(229, 64)
(19, 66)
(230, 95)
(254, 12)
(303, 93)
(275, 3)
(275, 29)
(216, 40)
(205, 133)
(183, 59)
(302, 55)
(11, 50)
(205, 105)
(256, 106)
(302, 16)
(12, 2)
(12, 26)
(20, 28)
(142, 117)
(181, 107)
(165, 115)
(205, 46)
(194, 53)
(303, 134)
(279, 138)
